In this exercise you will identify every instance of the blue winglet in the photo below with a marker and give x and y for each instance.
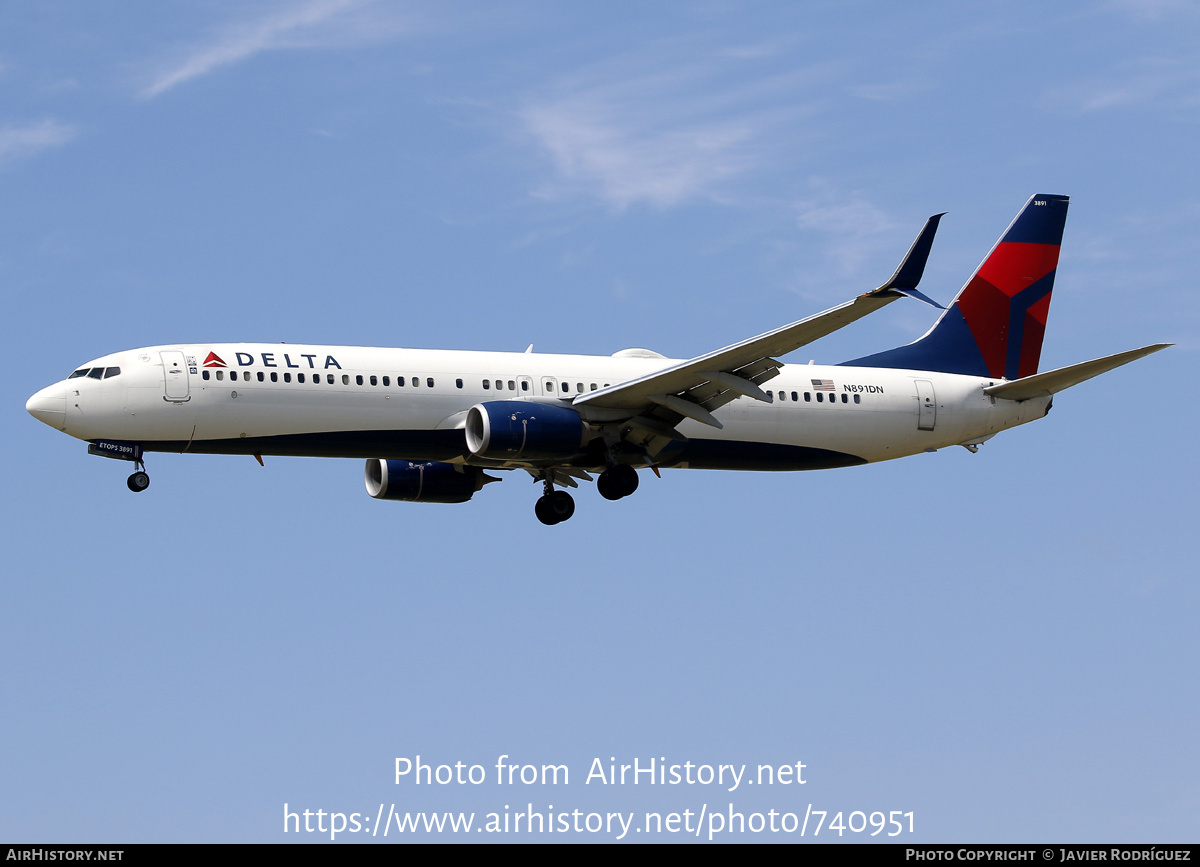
(912, 267)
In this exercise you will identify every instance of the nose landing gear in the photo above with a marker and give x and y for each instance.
(138, 482)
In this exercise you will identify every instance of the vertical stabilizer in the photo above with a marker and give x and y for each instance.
(994, 326)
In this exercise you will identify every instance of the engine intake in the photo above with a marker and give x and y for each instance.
(423, 481)
(511, 430)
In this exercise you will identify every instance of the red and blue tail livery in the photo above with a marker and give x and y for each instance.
(432, 424)
(995, 325)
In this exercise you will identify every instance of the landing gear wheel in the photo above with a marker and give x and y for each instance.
(605, 486)
(138, 482)
(542, 509)
(554, 508)
(617, 482)
(562, 505)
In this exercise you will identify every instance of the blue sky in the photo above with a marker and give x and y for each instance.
(1003, 643)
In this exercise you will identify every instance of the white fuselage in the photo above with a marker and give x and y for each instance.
(347, 401)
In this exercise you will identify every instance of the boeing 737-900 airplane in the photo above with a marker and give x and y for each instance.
(432, 423)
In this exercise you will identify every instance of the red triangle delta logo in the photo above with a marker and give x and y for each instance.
(214, 360)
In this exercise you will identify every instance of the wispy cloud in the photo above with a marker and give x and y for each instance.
(18, 142)
(599, 150)
(1149, 83)
(855, 227)
(888, 91)
(662, 137)
(1154, 10)
(312, 24)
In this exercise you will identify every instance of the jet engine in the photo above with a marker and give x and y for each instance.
(423, 481)
(514, 430)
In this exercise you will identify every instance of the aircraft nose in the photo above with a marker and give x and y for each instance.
(50, 406)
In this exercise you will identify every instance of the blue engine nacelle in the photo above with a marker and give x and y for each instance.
(516, 430)
(423, 481)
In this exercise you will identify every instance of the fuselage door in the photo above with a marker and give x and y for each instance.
(926, 405)
(175, 377)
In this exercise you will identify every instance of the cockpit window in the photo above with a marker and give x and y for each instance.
(110, 372)
(96, 373)
(78, 374)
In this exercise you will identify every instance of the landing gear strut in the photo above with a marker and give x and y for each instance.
(619, 480)
(140, 480)
(553, 507)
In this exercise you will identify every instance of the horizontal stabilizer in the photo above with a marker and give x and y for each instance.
(1054, 381)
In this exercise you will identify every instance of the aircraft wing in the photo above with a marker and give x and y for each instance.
(1054, 381)
(696, 387)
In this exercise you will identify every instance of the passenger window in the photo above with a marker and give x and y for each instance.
(374, 381)
(345, 379)
(220, 375)
(487, 385)
(579, 386)
(820, 397)
(566, 386)
(416, 382)
(110, 372)
(287, 377)
(808, 397)
(795, 396)
(858, 398)
(357, 379)
(770, 397)
(845, 399)
(204, 374)
(387, 380)
(593, 386)
(458, 382)
(524, 385)
(260, 376)
(400, 381)
(512, 386)
(329, 378)
(274, 376)
(429, 382)
(233, 374)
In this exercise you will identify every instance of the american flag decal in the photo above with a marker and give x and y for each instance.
(823, 384)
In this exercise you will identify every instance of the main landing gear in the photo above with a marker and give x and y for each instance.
(619, 480)
(554, 507)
